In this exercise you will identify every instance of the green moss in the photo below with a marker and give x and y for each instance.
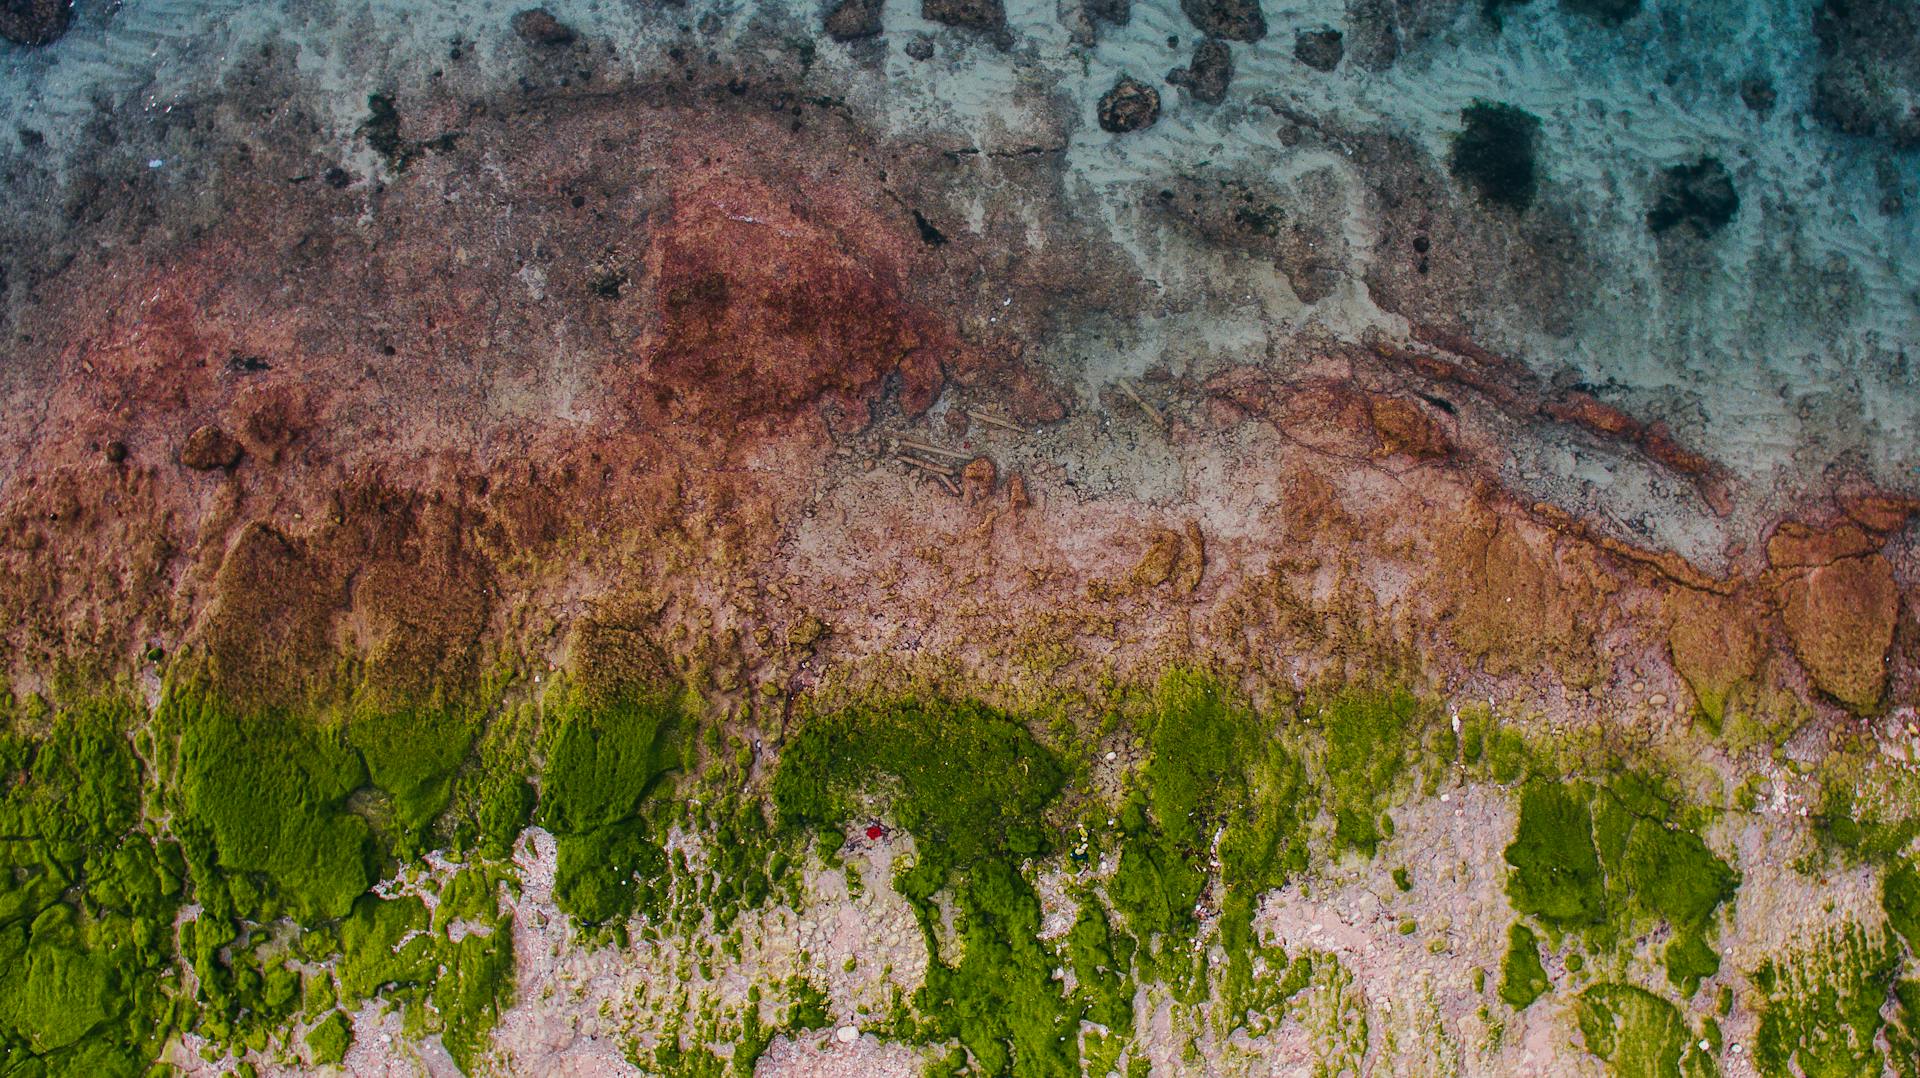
(1689, 961)
(1637, 1033)
(807, 1006)
(384, 944)
(1402, 879)
(972, 786)
(1556, 870)
(605, 761)
(64, 995)
(87, 900)
(607, 874)
(1522, 977)
(603, 764)
(413, 757)
(1211, 767)
(271, 791)
(1589, 860)
(1102, 963)
(473, 984)
(1370, 740)
(327, 1043)
(1820, 1008)
(1900, 898)
(968, 782)
(1858, 834)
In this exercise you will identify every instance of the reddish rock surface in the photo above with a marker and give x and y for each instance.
(1840, 618)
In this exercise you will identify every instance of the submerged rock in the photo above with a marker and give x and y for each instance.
(850, 20)
(1612, 12)
(1869, 79)
(1494, 153)
(34, 22)
(968, 14)
(538, 27)
(1207, 75)
(1320, 49)
(1116, 12)
(1129, 106)
(1234, 20)
(1700, 195)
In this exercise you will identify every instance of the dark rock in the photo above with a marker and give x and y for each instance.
(921, 47)
(968, 14)
(1757, 94)
(1319, 49)
(1869, 78)
(116, 452)
(248, 364)
(337, 177)
(1494, 153)
(1207, 76)
(1115, 12)
(929, 235)
(1233, 20)
(1612, 12)
(1700, 195)
(34, 22)
(209, 448)
(538, 27)
(1129, 106)
(850, 20)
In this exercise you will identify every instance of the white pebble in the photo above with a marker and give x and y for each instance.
(848, 1034)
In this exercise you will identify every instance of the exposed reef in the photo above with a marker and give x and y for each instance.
(666, 572)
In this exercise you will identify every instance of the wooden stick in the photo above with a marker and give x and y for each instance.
(1159, 420)
(947, 481)
(942, 472)
(996, 421)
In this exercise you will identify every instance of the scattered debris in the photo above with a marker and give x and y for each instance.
(1133, 394)
(992, 420)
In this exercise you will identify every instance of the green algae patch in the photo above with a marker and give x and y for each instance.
(969, 782)
(1638, 1034)
(271, 791)
(475, 983)
(413, 756)
(1596, 860)
(383, 944)
(327, 1043)
(1556, 870)
(1212, 770)
(1371, 739)
(1900, 898)
(1820, 1013)
(1689, 960)
(1523, 978)
(87, 899)
(602, 764)
(972, 786)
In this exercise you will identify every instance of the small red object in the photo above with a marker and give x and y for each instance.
(874, 831)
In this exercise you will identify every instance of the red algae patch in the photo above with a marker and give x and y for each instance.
(766, 308)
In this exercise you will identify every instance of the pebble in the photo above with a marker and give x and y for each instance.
(848, 1034)
(1658, 699)
(1638, 687)
(1112, 756)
